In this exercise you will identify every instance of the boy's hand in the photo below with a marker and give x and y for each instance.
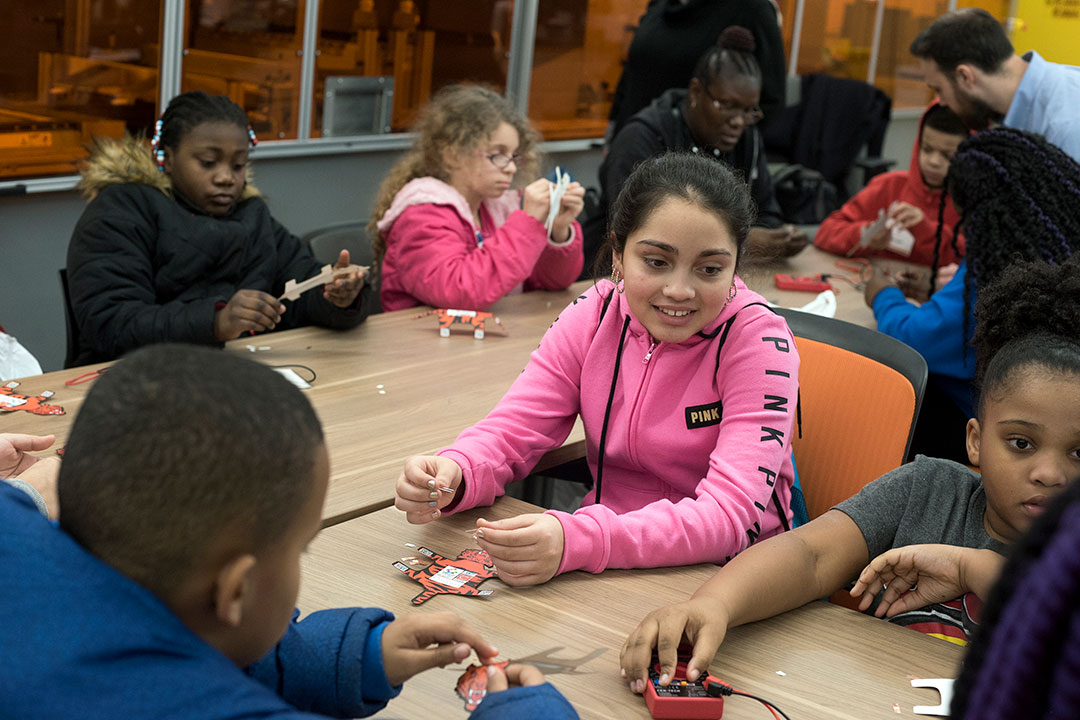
(905, 214)
(880, 239)
(526, 549)
(536, 199)
(938, 573)
(15, 449)
(518, 675)
(915, 284)
(945, 274)
(701, 620)
(342, 291)
(247, 310)
(418, 493)
(421, 641)
(573, 202)
(878, 281)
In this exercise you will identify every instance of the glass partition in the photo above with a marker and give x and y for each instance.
(898, 72)
(71, 70)
(379, 61)
(838, 39)
(250, 50)
(74, 69)
(577, 60)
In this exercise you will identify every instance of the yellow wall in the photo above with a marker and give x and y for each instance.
(1049, 26)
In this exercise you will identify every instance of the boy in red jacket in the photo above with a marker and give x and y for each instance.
(896, 215)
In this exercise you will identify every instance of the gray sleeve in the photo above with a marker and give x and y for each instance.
(29, 490)
(878, 507)
(925, 501)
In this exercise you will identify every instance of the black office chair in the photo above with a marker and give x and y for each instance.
(837, 129)
(69, 320)
(327, 242)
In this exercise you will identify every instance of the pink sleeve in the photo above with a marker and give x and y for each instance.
(439, 263)
(733, 505)
(841, 231)
(559, 265)
(536, 414)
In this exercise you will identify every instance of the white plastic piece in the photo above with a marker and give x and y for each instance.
(824, 305)
(944, 686)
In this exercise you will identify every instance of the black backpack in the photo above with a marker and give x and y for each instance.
(804, 195)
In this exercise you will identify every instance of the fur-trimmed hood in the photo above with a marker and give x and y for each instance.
(127, 160)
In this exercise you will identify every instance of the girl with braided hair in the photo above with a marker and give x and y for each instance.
(1019, 199)
(925, 543)
(177, 245)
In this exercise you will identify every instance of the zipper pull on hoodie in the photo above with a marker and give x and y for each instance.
(648, 355)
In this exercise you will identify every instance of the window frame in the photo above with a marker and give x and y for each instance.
(518, 81)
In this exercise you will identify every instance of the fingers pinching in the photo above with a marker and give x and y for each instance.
(524, 675)
(497, 680)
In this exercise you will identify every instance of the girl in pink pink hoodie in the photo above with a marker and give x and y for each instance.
(686, 384)
(448, 230)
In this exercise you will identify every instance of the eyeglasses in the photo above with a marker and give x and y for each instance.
(750, 115)
(501, 160)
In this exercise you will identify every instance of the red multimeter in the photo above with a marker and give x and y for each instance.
(811, 283)
(681, 699)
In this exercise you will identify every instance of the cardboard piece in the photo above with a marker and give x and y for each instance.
(449, 576)
(10, 401)
(474, 318)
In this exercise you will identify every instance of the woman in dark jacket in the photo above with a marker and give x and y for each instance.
(673, 34)
(715, 116)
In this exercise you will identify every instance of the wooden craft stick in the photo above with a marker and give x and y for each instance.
(293, 290)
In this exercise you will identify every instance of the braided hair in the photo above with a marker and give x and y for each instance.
(189, 110)
(1019, 199)
(1022, 661)
(733, 54)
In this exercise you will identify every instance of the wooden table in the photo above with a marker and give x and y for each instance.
(850, 305)
(393, 387)
(390, 388)
(836, 663)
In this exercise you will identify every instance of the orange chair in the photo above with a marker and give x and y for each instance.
(859, 396)
(860, 393)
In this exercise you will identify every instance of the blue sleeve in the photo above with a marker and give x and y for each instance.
(325, 663)
(526, 703)
(935, 329)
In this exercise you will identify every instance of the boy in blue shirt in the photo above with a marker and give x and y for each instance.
(192, 481)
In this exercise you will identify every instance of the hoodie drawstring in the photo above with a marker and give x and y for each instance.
(607, 410)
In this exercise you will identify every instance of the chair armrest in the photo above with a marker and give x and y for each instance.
(872, 166)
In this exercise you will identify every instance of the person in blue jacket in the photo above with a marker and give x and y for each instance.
(1019, 199)
(191, 483)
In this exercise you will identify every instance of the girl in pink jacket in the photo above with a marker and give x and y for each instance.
(448, 230)
(686, 384)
